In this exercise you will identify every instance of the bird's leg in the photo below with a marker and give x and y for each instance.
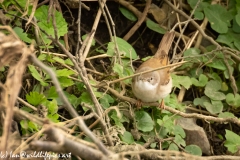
(162, 105)
(139, 104)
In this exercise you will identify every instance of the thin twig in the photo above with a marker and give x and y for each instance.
(194, 23)
(79, 30)
(233, 82)
(139, 22)
(94, 28)
(136, 74)
(26, 104)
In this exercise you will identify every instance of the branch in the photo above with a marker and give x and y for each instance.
(174, 111)
(11, 49)
(62, 144)
(139, 22)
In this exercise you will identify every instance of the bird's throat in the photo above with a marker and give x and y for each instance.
(144, 85)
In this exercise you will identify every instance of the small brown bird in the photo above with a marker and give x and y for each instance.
(156, 85)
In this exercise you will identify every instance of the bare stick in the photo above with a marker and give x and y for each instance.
(61, 143)
(139, 22)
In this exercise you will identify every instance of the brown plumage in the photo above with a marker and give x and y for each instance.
(152, 86)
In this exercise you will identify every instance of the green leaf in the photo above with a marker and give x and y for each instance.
(93, 41)
(86, 98)
(53, 117)
(74, 101)
(232, 100)
(198, 15)
(155, 27)
(147, 136)
(167, 122)
(179, 140)
(35, 98)
(106, 100)
(211, 90)
(32, 126)
(24, 124)
(52, 106)
(5, 4)
(195, 72)
(200, 101)
(190, 54)
(59, 60)
(27, 109)
(129, 15)
(51, 93)
(49, 58)
(194, 150)
(36, 75)
(185, 81)
(100, 51)
(42, 57)
(117, 118)
(127, 70)
(41, 15)
(153, 145)
(173, 147)
(178, 130)
(117, 68)
(198, 11)
(124, 47)
(224, 86)
(215, 95)
(226, 39)
(127, 137)
(23, 36)
(64, 72)
(232, 141)
(144, 121)
(69, 62)
(231, 39)
(202, 81)
(218, 62)
(22, 3)
(214, 107)
(226, 115)
(215, 76)
(2, 69)
(80, 86)
(173, 102)
(65, 82)
(123, 70)
(237, 43)
(218, 17)
(236, 26)
(237, 17)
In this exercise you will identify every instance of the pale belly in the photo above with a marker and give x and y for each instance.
(147, 92)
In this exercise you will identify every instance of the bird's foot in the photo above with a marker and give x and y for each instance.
(139, 104)
(162, 105)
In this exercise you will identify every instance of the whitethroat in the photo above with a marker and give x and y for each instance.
(155, 85)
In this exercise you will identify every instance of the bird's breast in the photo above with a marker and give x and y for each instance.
(145, 85)
(145, 91)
